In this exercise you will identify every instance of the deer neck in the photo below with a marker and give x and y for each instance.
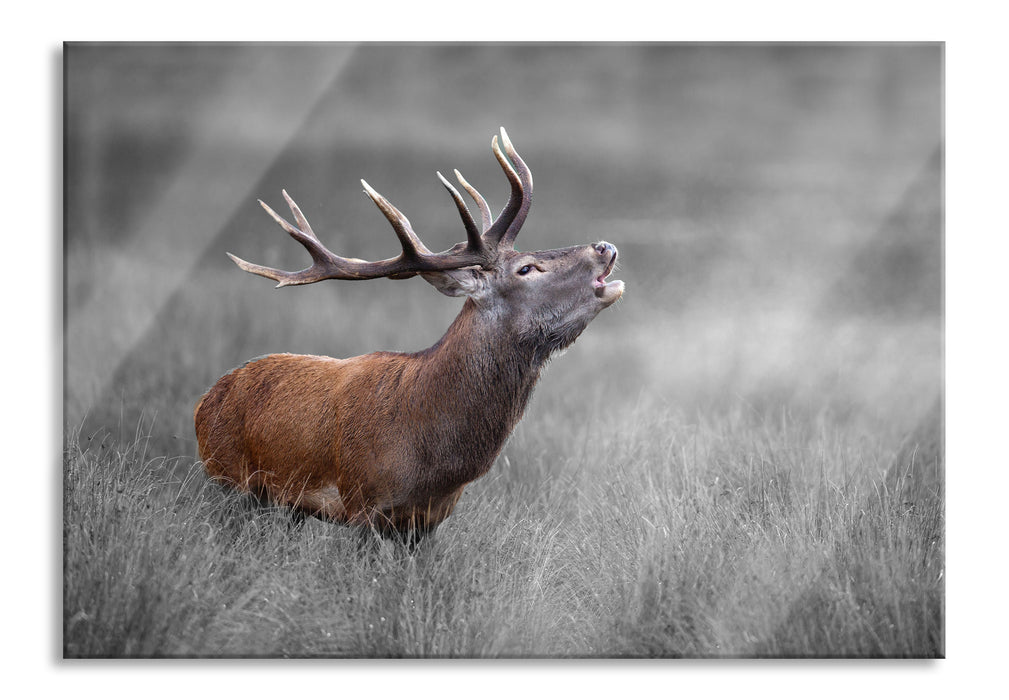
(483, 378)
(479, 357)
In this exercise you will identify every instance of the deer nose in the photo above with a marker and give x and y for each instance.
(604, 248)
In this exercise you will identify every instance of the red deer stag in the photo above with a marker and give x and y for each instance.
(389, 440)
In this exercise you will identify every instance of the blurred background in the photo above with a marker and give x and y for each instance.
(778, 211)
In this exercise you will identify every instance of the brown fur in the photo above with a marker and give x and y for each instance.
(385, 439)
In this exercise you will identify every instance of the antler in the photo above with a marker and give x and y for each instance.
(506, 228)
(503, 231)
(478, 249)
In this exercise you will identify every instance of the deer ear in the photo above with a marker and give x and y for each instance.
(458, 283)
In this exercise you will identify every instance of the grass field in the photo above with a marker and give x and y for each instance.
(649, 535)
(743, 457)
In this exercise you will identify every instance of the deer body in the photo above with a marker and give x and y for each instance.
(389, 440)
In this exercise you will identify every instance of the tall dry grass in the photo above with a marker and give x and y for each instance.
(651, 535)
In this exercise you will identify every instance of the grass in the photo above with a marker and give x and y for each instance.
(739, 537)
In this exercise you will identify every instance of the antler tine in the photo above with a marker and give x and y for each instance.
(474, 241)
(526, 177)
(508, 223)
(481, 203)
(269, 272)
(412, 245)
(298, 216)
(304, 235)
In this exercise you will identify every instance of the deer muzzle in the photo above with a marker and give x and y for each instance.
(607, 292)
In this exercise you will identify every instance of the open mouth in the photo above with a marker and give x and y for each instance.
(600, 281)
(608, 292)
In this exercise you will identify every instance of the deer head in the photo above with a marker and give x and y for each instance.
(401, 434)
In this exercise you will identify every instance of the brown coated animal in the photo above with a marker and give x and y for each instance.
(389, 440)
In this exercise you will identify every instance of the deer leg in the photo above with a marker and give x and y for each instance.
(324, 503)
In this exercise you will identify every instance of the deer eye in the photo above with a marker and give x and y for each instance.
(525, 269)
